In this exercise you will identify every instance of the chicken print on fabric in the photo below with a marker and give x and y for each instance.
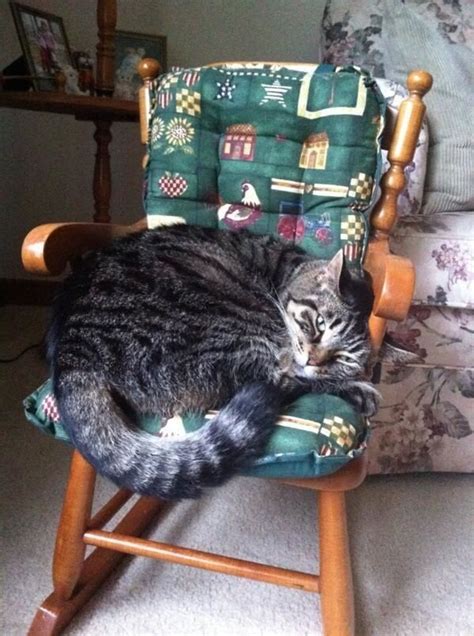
(243, 214)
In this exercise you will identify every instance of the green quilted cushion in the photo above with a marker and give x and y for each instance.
(288, 150)
(315, 436)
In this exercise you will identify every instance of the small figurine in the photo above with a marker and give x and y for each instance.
(127, 81)
(72, 80)
(85, 65)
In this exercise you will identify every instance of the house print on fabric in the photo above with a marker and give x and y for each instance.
(315, 151)
(239, 142)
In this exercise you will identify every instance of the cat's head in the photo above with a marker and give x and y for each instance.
(326, 311)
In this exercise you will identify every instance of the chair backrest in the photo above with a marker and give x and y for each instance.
(393, 277)
(400, 133)
(286, 149)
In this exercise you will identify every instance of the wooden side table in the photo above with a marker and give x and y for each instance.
(102, 109)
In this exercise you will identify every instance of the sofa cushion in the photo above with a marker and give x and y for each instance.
(390, 37)
(441, 246)
(426, 419)
(438, 335)
(315, 436)
(287, 150)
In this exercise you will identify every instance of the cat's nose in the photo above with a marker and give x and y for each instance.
(318, 357)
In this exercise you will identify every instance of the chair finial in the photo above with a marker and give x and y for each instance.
(419, 82)
(148, 68)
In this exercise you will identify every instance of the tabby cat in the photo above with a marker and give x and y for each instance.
(183, 319)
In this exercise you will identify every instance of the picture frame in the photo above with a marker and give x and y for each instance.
(44, 44)
(130, 48)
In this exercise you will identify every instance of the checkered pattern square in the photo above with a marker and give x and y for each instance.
(361, 186)
(352, 228)
(50, 408)
(167, 82)
(339, 432)
(188, 102)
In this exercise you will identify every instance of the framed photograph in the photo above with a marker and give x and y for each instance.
(130, 48)
(44, 43)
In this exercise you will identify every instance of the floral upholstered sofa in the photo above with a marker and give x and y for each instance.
(426, 421)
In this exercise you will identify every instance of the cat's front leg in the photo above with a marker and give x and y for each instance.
(292, 388)
(362, 395)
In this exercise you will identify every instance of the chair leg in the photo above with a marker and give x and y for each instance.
(70, 549)
(75, 579)
(337, 599)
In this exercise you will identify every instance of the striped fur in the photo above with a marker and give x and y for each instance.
(184, 319)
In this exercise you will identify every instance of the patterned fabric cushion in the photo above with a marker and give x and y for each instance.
(315, 436)
(436, 35)
(286, 150)
(426, 421)
(441, 246)
(354, 36)
(354, 33)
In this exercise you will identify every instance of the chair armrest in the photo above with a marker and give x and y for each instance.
(48, 248)
(393, 277)
(393, 281)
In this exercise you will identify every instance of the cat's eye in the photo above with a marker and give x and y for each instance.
(320, 323)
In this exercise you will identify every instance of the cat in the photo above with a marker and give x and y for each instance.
(187, 319)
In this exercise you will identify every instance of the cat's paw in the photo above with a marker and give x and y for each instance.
(364, 396)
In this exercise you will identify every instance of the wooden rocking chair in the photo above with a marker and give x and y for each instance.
(49, 249)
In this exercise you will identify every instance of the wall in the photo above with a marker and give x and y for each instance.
(46, 163)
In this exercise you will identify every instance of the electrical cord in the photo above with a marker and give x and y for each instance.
(33, 346)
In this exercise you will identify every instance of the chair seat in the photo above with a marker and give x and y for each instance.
(314, 436)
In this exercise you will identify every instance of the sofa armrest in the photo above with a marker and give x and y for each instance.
(48, 248)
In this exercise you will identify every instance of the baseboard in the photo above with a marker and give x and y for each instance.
(24, 291)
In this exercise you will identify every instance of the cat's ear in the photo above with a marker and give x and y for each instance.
(339, 273)
(355, 291)
(336, 265)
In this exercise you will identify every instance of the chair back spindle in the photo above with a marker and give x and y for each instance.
(148, 69)
(401, 150)
(394, 279)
